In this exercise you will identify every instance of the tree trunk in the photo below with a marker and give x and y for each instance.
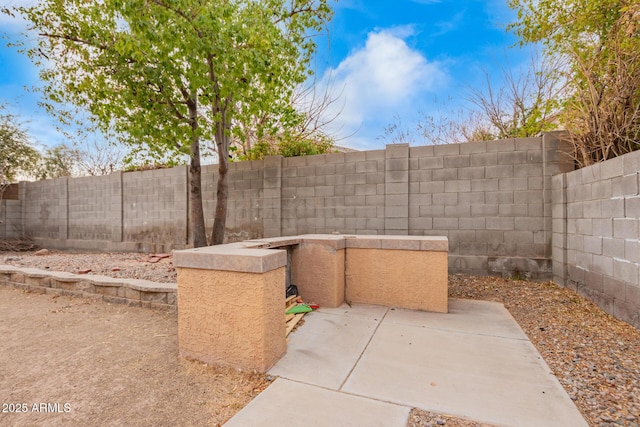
(222, 195)
(196, 211)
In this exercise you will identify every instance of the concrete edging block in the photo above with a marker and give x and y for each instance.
(135, 292)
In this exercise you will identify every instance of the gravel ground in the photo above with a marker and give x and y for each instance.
(595, 356)
(120, 265)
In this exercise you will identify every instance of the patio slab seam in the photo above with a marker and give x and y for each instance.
(347, 393)
(454, 331)
(364, 349)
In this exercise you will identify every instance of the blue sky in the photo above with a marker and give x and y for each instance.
(384, 59)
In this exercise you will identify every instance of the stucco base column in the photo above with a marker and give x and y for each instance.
(232, 318)
(231, 298)
(318, 272)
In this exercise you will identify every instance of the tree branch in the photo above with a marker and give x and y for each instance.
(74, 39)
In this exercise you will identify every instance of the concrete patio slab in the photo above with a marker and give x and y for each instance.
(473, 317)
(288, 403)
(328, 349)
(371, 312)
(474, 362)
(496, 380)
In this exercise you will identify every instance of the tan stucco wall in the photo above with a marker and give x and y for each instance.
(231, 297)
(318, 272)
(232, 318)
(415, 280)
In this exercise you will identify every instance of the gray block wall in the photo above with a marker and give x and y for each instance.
(341, 192)
(89, 211)
(154, 206)
(491, 199)
(44, 209)
(244, 208)
(10, 219)
(132, 211)
(596, 234)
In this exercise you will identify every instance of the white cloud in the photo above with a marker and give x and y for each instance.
(380, 80)
(444, 27)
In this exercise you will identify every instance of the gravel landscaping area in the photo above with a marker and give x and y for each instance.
(595, 356)
(121, 265)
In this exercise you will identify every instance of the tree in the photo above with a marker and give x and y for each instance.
(58, 162)
(171, 75)
(286, 147)
(453, 127)
(601, 41)
(99, 158)
(296, 130)
(524, 104)
(18, 157)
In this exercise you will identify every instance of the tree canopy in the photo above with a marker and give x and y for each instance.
(523, 104)
(58, 161)
(601, 41)
(17, 153)
(170, 75)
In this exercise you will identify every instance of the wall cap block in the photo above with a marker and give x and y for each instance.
(231, 257)
(262, 255)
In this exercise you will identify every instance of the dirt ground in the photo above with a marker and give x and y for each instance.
(96, 364)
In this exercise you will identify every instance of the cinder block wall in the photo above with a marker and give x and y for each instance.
(491, 199)
(10, 212)
(596, 234)
(44, 209)
(89, 211)
(244, 215)
(10, 219)
(154, 206)
(342, 192)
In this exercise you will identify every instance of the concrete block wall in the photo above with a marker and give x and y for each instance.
(596, 234)
(245, 204)
(88, 209)
(154, 206)
(492, 200)
(272, 197)
(10, 219)
(44, 209)
(10, 212)
(340, 192)
(131, 211)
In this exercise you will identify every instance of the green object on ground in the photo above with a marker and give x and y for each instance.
(300, 308)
